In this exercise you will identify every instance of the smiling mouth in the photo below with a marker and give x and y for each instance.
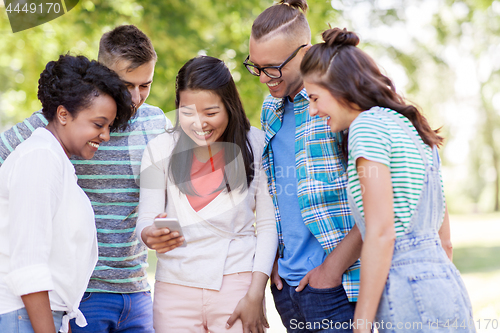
(204, 133)
(93, 144)
(273, 84)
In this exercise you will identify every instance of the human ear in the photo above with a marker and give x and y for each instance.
(62, 115)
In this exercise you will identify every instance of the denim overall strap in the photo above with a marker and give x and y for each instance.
(431, 171)
(429, 211)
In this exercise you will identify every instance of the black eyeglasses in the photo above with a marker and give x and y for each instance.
(274, 72)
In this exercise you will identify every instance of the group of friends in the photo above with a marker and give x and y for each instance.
(338, 200)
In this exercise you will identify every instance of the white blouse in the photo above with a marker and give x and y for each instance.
(47, 230)
(235, 232)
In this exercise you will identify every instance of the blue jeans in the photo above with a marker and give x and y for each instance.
(18, 321)
(314, 310)
(110, 312)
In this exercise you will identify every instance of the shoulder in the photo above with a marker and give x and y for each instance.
(41, 149)
(371, 122)
(271, 104)
(163, 144)
(256, 135)
(146, 109)
(257, 139)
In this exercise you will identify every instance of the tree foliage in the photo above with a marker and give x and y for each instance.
(179, 30)
(443, 54)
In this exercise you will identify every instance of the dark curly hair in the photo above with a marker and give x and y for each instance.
(74, 82)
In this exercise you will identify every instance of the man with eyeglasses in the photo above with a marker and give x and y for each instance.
(315, 278)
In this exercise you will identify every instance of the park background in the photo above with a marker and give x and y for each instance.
(443, 55)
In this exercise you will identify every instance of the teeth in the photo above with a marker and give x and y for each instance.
(203, 133)
(273, 84)
(95, 145)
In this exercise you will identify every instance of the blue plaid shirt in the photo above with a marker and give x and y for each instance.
(321, 177)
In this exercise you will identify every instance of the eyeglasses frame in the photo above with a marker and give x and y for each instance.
(263, 69)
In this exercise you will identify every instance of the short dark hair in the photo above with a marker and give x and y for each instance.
(286, 17)
(211, 74)
(74, 82)
(352, 76)
(126, 42)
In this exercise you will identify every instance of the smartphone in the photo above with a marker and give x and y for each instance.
(172, 224)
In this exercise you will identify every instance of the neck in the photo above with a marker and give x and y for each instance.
(204, 153)
(52, 128)
(292, 96)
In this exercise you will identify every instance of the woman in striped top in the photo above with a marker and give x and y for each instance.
(395, 193)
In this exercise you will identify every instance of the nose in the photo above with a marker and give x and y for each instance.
(264, 78)
(313, 111)
(136, 96)
(199, 122)
(105, 134)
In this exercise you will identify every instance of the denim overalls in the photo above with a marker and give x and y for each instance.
(424, 291)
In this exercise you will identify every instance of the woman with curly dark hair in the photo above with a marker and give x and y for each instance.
(47, 233)
(408, 282)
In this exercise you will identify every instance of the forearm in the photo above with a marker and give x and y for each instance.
(38, 308)
(378, 247)
(445, 235)
(376, 259)
(345, 253)
(257, 287)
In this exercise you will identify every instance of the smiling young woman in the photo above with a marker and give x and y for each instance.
(207, 173)
(395, 192)
(48, 235)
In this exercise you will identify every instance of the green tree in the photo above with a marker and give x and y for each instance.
(179, 29)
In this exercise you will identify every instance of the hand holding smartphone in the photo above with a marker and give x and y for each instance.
(172, 224)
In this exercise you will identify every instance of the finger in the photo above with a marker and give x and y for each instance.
(266, 323)
(167, 248)
(157, 232)
(172, 243)
(231, 320)
(303, 283)
(277, 282)
(161, 215)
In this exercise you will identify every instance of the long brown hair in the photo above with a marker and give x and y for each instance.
(352, 76)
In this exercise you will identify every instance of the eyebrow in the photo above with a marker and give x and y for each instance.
(141, 84)
(212, 107)
(101, 117)
(265, 65)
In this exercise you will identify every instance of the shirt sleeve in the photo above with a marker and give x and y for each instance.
(35, 188)
(152, 187)
(267, 236)
(369, 137)
(14, 136)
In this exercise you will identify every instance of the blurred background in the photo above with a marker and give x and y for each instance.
(443, 56)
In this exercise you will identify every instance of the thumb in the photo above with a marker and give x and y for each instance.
(278, 282)
(231, 320)
(303, 283)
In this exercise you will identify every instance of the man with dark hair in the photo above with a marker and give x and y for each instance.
(117, 297)
(315, 280)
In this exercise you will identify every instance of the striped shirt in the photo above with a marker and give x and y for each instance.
(321, 178)
(374, 136)
(110, 180)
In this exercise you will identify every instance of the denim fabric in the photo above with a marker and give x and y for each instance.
(424, 291)
(314, 310)
(120, 313)
(18, 321)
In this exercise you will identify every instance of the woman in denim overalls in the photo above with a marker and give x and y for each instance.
(408, 283)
